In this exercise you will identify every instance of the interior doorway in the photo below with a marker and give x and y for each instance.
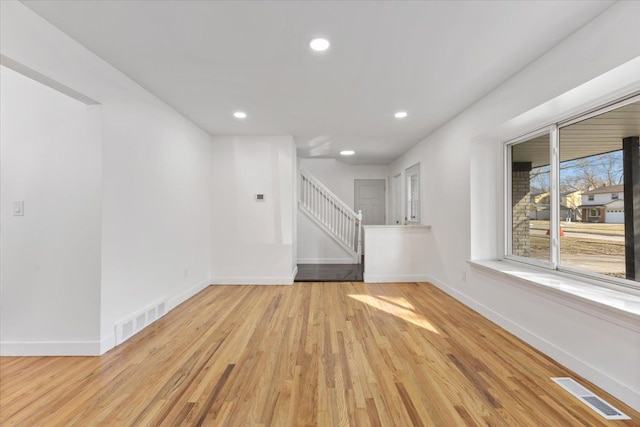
(369, 197)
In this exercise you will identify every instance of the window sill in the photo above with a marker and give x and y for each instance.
(618, 306)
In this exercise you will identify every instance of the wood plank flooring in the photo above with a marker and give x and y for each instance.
(311, 354)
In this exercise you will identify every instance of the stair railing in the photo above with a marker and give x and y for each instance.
(333, 215)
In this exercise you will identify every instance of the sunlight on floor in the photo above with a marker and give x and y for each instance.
(402, 302)
(398, 308)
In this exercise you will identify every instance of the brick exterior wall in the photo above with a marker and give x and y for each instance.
(520, 208)
(601, 212)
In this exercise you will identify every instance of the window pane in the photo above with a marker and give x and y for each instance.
(530, 199)
(413, 194)
(413, 197)
(592, 181)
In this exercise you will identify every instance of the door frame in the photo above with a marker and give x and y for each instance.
(397, 199)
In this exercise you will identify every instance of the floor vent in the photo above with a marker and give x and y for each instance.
(603, 408)
(128, 327)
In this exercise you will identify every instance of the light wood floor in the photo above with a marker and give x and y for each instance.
(312, 354)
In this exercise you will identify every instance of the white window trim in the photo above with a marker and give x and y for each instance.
(554, 223)
(619, 306)
(413, 170)
(508, 235)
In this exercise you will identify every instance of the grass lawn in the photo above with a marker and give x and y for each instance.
(583, 227)
(581, 249)
(576, 246)
(583, 252)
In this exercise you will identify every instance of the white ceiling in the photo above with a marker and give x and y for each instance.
(432, 59)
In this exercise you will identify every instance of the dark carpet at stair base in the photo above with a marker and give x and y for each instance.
(329, 273)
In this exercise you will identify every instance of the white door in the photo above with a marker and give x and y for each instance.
(369, 197)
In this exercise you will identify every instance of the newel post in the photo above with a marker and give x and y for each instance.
(360, 236)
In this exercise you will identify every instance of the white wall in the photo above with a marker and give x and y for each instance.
(253, 241)
(314, 246)
(156, 229)
(394, 253)
(50, 258)
(458, 175)
(155, 173)
(339, 177)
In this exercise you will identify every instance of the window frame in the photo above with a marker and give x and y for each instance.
(508, 197)
(554, 176)
(408, 173)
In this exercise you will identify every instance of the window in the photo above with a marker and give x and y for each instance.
(412, 176)
(530, 198)
(568, 207)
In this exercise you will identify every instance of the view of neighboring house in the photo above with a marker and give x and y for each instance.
(540, 208)
(603, 204)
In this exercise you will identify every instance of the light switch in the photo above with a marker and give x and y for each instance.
(18, 208)
(260, 197)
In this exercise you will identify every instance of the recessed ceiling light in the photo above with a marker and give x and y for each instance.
(347, 152)
(400, 115)
(319, 45)
(240, 115)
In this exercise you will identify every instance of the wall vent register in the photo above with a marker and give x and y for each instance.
(603, 408)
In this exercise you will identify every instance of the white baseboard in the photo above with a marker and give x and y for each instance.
(252, 281)
(115, 339)
(231, 280)
(175, 301)
(107, 343)
(379, 278)
(620, 390)
(348, 260)
(90, 348)
(57, 348)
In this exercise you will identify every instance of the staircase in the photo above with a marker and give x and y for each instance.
(331, 214)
